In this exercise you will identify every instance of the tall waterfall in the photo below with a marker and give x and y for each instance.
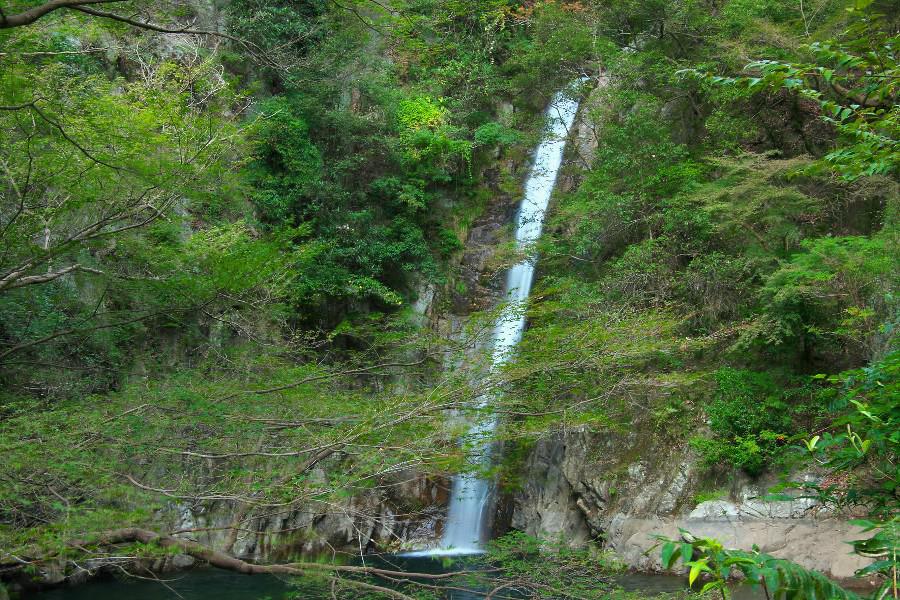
(470, 499)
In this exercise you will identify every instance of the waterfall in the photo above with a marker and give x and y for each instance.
(470, 498)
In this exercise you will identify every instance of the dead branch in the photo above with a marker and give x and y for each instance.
(222, 560)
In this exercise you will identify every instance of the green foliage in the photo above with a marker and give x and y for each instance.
(638, 171)
(709, 562)
(102, 177)
(378, 177)
(859, 450)
(752, 419)
(746, 402)
(706, 496)
(90, 446)
(737, 14)
(288, 166)
(277, 26)
(854, 81)
(726, 132)
(863, 437)
(553, 567)
(837, 290)
(721, 285)
(559, 43)
(884, 547)
(493, 133)
(430, 143)
(291, 187)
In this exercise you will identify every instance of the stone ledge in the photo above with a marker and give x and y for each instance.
(820, 544)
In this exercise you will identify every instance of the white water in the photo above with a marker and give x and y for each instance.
(470, 498)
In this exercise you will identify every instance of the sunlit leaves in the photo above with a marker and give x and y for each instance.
(708, 560)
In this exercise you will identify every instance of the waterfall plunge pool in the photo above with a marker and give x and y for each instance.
(215, 584)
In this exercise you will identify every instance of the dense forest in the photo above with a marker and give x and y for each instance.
(244, 274)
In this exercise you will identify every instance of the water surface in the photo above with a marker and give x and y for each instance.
(216, 584)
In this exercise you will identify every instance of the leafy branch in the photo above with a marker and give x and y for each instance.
(707, 559)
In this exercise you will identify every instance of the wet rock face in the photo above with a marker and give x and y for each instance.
(548, 503)
(483, 284)
(406, 513)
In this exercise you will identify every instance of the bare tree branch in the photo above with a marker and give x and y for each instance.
(30, 16)
(76, 330)
(46, 277)
(221, 560)
(250, 46)
(287, 386)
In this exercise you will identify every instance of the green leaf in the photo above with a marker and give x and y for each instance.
(739, 560)
(879, 566)
(697, 567)
(712, 585)
(668, 554)
(864, 523)
(771, 578)
(695, 571)
(687, 552)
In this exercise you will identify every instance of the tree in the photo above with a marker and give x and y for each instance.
(28, 13)
(855, 80)
(88, 164)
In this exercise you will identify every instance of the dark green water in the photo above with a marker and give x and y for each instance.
(215, 584)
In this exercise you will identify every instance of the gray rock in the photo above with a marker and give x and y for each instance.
(183, 561)
(715, 510)
(53, 573)
(573, 491)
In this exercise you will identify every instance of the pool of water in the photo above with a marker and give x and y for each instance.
(216, 584)
(196, 584)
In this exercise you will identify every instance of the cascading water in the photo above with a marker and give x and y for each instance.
(464, 531)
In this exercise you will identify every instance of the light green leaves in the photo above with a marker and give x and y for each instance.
(426, 132)
(697, 567)
(780, 577)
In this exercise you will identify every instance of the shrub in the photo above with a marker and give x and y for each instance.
(750, 420)
(745, 403)
(833, 296)
(493, 133)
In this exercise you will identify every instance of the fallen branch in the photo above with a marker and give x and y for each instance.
(222, 560)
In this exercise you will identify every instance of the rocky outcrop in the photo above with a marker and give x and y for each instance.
(479, 273)
(402, 514)
(819, 544)
(622, 490)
